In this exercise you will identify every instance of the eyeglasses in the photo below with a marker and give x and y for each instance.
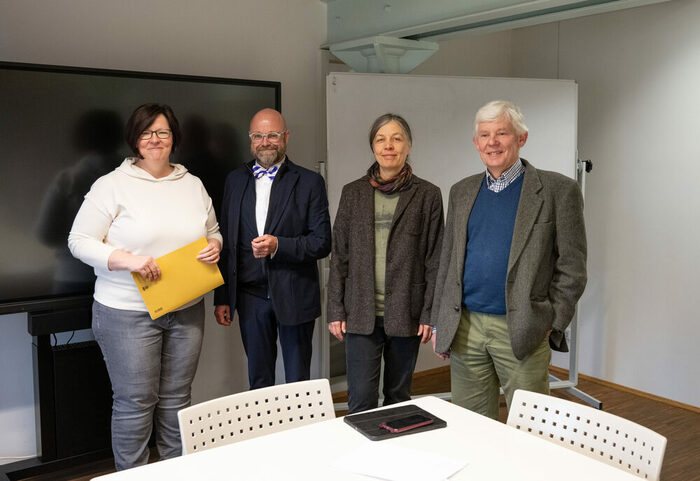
(161, 134)
(258, 137)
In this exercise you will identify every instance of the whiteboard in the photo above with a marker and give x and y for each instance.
(440, 112)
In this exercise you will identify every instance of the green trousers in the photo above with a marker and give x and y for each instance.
(482, 361)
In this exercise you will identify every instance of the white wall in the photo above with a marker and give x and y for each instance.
(637, 71)
(274, 40)
(471, 56)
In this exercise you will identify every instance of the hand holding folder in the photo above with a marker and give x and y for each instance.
(183, 278)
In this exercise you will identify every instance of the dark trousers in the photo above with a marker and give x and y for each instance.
(363, 355)
(259, 330)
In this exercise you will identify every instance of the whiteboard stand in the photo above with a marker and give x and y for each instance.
(571, 383)
(582, 167)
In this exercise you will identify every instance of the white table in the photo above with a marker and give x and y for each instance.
(494, 451)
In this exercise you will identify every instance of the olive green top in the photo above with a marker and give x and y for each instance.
(384, 207)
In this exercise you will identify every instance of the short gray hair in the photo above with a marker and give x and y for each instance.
(382, 120)
(501, 109)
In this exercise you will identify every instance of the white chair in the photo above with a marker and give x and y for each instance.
(597, 434)
(250, 414)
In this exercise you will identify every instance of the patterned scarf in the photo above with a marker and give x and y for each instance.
(399, 183)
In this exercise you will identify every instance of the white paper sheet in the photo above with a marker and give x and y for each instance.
(395, 463)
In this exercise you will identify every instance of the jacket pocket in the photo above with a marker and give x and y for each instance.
(543, 311)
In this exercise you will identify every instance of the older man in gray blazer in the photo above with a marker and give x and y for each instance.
(512, 267)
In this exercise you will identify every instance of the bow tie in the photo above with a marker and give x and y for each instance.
(258, 171)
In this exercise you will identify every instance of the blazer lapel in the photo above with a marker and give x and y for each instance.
(464, 199)
(528, 208)
(282, 189)
(366, 226)
(236, 203)
(404, 199)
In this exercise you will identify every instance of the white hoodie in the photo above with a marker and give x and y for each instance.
(129, 209)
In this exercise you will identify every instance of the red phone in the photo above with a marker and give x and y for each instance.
(404, 424)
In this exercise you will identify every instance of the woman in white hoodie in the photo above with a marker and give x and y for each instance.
(144, 209)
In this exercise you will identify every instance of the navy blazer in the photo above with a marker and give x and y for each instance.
(298, 216)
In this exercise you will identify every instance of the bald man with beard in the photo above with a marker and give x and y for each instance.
(275, 223)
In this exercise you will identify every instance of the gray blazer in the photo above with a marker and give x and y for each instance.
(547, 263)
(413, 253)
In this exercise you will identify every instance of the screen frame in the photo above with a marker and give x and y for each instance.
(57, 301)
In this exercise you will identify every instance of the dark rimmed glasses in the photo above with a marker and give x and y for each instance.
(161, 134)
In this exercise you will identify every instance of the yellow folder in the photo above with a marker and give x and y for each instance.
(183, 278)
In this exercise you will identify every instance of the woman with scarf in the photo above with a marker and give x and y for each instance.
(386, 248)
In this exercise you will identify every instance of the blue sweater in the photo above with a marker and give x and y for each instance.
(489, 234)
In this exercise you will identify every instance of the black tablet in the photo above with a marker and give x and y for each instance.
(369, 423)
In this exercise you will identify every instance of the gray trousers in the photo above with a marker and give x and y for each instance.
(151, 364)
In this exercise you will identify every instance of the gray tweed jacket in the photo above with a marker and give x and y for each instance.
(547, 263)
(413, 253)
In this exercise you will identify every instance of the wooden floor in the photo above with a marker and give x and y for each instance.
(680, 426)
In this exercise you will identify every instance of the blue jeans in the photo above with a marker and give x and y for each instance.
(151, 364)
(363, 355)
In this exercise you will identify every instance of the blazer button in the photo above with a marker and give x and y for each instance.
(458, 308)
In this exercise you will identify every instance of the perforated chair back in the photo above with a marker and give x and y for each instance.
(250, 414)
(597, 434)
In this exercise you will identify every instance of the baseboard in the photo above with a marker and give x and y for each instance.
(564, 374)
(431, 372)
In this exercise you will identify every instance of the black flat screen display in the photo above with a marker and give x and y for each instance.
(62, 128)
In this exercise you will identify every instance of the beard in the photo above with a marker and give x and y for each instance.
(269, 156)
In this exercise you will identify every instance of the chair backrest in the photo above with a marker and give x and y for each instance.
(597, 434)
(249, 414)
